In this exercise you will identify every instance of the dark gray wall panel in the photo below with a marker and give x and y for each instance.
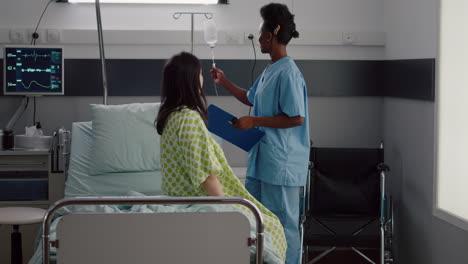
(342, 78)
(142, 77)
(82, 77)
(124, 77)
(238, 71)
(323, 78)
(413, 79)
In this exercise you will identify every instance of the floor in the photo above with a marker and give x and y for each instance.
(344, 256)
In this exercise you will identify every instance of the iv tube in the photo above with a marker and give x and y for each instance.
(212, 56)
(214, 66)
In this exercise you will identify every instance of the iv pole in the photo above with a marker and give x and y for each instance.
(101, 52)
(177, 15)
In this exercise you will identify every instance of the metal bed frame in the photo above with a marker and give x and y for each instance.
(258, 241)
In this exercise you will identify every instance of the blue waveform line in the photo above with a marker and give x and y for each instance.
(27, 87)
(35, 55)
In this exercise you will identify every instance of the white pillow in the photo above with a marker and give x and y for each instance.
(124, 138)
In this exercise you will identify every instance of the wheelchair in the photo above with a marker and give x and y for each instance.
(346, 185)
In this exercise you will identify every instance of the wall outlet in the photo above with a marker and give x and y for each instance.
(234, 38)
(18, 35)
(349, 38)
(248, 40)
(40, 32)
(54, 35)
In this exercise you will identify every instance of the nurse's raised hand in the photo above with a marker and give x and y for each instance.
(244, 123)
(219, 78)
(218, 75)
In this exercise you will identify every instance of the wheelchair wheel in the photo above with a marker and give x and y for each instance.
(305, 254)
(388, 228)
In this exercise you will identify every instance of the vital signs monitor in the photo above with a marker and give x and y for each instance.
(33, 70)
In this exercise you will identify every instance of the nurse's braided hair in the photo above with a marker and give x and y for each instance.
(279, 21)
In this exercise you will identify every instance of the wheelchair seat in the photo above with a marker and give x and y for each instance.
(347, 188)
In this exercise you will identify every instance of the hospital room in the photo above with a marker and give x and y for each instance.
(233, 131)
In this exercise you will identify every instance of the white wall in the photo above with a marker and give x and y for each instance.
(238, 14)
(408, 135)
(410, 27)
(411, 30)
(318, 21)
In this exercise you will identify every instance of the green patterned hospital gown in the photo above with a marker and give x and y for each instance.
(189, 154)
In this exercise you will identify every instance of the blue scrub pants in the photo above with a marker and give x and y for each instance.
(283, 201)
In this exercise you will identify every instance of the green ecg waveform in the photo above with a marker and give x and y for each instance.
(35, 55)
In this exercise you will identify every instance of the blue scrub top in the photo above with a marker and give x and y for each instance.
(282, 156)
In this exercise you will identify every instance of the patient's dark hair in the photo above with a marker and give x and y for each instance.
(275, 14)
(180, 87)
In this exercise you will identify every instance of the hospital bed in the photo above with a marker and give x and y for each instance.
(122, 218)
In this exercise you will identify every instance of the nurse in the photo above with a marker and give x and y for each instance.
(277, 165)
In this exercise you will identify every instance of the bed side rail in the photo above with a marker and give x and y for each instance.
(60, 150)
(111, 200)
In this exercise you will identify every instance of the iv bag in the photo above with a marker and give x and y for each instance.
(209, 32)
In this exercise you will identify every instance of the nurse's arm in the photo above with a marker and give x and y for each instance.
(212, 186)
(279, 121)
(238, 92)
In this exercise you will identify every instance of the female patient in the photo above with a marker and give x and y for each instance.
(193, 164)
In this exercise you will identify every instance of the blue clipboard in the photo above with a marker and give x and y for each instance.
(219, 123)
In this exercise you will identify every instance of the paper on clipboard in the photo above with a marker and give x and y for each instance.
(219, 123)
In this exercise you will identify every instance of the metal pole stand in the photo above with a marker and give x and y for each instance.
(177, 15)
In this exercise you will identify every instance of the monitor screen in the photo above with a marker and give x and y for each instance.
(33, 70)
